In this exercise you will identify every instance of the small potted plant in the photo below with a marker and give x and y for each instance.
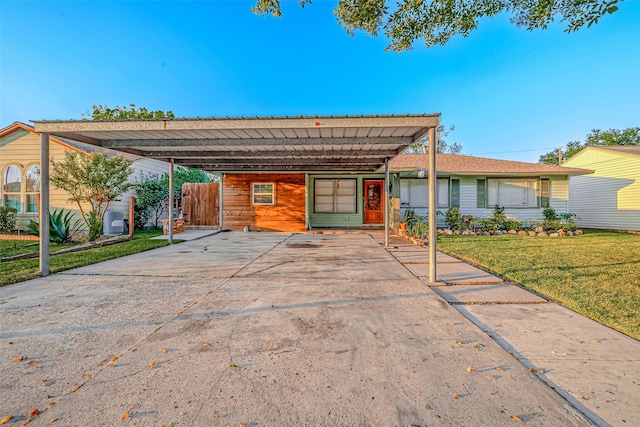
(407, 219)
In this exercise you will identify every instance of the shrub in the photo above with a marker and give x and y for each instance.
(498, 214)
(409, 217)
(95, 226)
(453, 219)
(61, 228)
(8, 219)
(549, 213)
(511, 224)
(419, 228)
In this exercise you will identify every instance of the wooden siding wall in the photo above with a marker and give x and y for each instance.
(288, 213)
(610, 197)
(200, 204)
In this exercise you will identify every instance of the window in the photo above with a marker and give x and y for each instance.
(335, 195)
(32, 183)
(512, 192)
(415, 193)
(11, 187)
(263, 193)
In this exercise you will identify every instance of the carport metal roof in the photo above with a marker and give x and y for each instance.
(253, 144)
(304, 143)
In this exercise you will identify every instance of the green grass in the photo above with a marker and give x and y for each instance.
(18, 247)
(597, 274)
(17, 271)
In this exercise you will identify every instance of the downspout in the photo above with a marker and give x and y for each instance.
(43, 215)
(432, 205)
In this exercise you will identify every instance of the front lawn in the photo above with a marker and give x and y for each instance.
(17, 271)
(597, 274)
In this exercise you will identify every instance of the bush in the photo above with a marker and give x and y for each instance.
(453, 219)
(511, 224)
(95, 226)
(419, 228)
(61, 228)
(8, 219)
(549, 214)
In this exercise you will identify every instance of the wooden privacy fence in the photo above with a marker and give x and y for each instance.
(200, 204)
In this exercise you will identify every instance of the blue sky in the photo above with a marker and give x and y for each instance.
(510, 93)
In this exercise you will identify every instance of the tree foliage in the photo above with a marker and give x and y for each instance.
(437, 21)
(94, 179)
(629, 136)
(442, 146)
(153, 193)
(103, 112)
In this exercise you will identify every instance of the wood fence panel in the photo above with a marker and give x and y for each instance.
(200, 204)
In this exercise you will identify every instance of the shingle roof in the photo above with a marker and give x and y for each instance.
(631, 149)
(455, 164)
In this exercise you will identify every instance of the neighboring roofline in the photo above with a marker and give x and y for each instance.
(544, 170)
(607, 148)
(65, 142)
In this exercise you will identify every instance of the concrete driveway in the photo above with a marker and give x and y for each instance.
(256, 329)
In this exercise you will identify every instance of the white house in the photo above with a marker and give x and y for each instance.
(477, 184)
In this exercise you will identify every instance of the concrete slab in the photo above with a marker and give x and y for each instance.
(587, 362)
(456, 273)
(482, 294)
(189, 235)
(422, 257)
(255, 347)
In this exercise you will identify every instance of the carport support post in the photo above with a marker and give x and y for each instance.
(387, 204)
(432, 205)
(43, 215)
(171, 201)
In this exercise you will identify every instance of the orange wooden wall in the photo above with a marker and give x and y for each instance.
(288, 214)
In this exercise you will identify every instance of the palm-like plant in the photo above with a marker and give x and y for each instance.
(61, 228)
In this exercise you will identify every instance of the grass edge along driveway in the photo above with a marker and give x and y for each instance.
(18, 271)
(596, 274)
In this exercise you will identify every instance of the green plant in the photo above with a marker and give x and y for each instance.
(61, 228)
(8, 219)
(453, 219)
(511, 224)
(498, 214)
(549, 213)
(488, 224)
(409, 217)
(419, 228)
(95, 226)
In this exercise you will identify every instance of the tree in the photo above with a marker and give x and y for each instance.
(102, 112)
(95, 179)
(422, 145)
(153, 193)
(436, 21)
(629, 136)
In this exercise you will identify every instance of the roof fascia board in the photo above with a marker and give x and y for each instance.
(404, 141)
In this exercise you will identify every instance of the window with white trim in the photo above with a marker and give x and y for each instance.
(335, 195)
(32, 188)
(415, 193)
(12, 187)
(263, 193)
(513, 192)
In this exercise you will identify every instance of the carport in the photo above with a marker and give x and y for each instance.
(254, 144)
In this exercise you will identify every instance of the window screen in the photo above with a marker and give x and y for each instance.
(335, 195)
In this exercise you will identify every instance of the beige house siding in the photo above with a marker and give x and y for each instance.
(610, 197)
(21, 148)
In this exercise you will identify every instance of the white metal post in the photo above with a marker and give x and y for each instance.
(432, 205)
(43, 215)
(171, 202)
(387, 199)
